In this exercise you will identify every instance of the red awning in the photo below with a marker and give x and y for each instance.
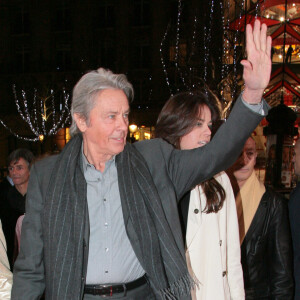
(282, 83)
(295, 21)
(286, 70)
(289, 29)
(270, 3)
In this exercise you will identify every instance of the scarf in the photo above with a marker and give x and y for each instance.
(63, 226)
(247, 202)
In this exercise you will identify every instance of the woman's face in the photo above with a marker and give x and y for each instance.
(200, 135)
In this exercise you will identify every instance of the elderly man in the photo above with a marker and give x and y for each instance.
(294, 212)
(266, 246)
(102, 217)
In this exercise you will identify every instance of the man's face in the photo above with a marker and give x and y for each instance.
(108, 125)
(19, 171)
(244, 166)
(296, 158)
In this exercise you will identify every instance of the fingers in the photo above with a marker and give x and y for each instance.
(249, 38)
(269, 46)
(256, 34)
(258, 38)
(263, 37)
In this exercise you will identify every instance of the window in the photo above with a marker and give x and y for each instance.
(106, 16)
(62, 19)
(141, 13)
(63, 60)
(107, 55)
(141, 57)
(142, 92)
(21, 23)
(22, 60)
(179, 54)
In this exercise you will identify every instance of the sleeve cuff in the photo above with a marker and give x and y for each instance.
(258, 107)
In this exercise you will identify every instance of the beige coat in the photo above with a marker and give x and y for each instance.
(213, 247)
(5, 274)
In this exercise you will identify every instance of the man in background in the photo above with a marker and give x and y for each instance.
(19, 162)
(294, 212)
(266, 246)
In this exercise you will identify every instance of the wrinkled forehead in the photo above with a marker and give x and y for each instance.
(249, 145)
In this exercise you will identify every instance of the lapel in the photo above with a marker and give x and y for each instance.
(195, 220)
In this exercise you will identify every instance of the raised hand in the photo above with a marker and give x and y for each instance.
(257, 66)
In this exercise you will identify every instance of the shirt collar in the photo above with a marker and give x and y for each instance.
(87, 165)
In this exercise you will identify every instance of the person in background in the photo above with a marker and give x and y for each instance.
(6, 276)
(19, 163)
(265, 237)
(289, 53)
(294, 213)
(208, 211)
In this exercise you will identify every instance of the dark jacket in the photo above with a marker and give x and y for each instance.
(12, 206)
(294, 211)
(266, 252)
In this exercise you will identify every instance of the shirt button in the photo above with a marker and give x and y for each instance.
(106, 272)
(104, 199)
(224, 273)
(106, 249)
(220, 242)
(105, 224)
(196, 211)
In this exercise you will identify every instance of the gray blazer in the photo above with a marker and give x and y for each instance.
(174, 172)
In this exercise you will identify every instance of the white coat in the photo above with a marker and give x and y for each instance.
(213, 247)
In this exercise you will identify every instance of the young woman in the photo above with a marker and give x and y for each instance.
(208, 212)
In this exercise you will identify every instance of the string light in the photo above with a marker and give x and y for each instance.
(162, 59)
(229, 56)
(37, 115)
(207, 39)
(177, 32)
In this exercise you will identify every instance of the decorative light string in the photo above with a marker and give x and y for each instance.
(230, 50)
(207, 39)
(162, 59)
(37, 116)
(193, 48)
(235, 83)
(150, 90)
(64, 115)
(177, 32)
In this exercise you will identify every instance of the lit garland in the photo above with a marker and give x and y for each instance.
(230, 52)
(37, 115)
(207, 39)
(162, 59)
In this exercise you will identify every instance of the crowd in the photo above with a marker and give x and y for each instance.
(181, 216)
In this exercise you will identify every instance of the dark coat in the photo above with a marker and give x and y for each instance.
(12, 206)
(266, 252)
(294, 212)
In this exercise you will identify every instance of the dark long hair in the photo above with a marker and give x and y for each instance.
(177, 118)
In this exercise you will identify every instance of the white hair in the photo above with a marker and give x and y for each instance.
(89, 86)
